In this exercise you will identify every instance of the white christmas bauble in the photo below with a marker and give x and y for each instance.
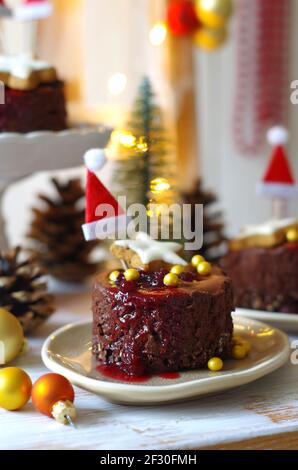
(95, 159)
(11, 336)
(277, 135)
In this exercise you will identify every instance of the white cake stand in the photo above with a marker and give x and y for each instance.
(21, 155)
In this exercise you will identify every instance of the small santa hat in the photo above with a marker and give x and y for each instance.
(278, 180)
(103, 214)
(24, 10)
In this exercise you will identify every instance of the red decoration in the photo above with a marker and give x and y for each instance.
(263, 68)
(279, 170)
(97, 194)
(278, 180)
(182, 18)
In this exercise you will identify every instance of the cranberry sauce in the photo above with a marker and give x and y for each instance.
(150, 280)
(115, 373)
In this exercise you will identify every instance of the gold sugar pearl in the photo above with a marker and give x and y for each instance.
(238, 341)
(204, 268)
(171, 280)
(247, 346)
(292, 235)
(177, 269)
(114, 276)
(196, 260)
(132, 275)
(239, 352)
(215, 364)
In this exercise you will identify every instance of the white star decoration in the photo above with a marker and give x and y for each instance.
(152, 250)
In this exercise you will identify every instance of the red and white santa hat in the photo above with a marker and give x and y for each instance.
(25, 9)
(103, 216)
(278, 180)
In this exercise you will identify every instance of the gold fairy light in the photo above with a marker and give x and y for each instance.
(142, 145)
(159, 185)
(124, 138)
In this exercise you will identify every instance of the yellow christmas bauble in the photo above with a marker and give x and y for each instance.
(15, 388)
(210, 39)
(214, 13)
(11, 336)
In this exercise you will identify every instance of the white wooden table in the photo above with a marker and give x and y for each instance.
(263, 414)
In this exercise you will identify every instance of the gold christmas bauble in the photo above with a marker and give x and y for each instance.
(15, 388)
(214, 13)
(11, 336)
(210, 39)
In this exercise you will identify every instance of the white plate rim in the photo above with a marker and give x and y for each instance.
(206, 385)
(263, 315)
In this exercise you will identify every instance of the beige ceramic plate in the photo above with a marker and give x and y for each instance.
(284, 321)
(68, 352)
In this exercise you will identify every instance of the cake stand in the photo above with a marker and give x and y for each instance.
(22, 155)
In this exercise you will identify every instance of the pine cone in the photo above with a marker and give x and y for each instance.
(214, 244)
(22, 290)
(56, 230)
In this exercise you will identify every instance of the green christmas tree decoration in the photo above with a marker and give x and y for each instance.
(144, 163)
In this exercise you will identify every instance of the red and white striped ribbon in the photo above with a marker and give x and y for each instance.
(263, 29)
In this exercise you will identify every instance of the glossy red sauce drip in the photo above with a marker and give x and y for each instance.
(113, 372)
(169, 375)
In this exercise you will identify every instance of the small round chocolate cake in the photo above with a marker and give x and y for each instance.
(263, 265)
(150, 321)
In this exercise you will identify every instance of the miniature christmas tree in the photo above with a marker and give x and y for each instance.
(144, 170)
(56, 231)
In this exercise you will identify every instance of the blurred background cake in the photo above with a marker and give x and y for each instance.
(34, 97)
(263, 265)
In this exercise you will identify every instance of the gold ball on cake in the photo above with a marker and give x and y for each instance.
(292, 235)
(214, 13)
(114, 276)
(215, 364)
(204, 268)
(15, 388)
(177, 269)
(196, 260)
(11, 336)
(171, 280)
(132, 275)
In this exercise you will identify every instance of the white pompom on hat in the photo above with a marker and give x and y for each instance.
(277, 135)
(95, 159)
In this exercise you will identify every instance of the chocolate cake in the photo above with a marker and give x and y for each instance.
(40, 109)
(144, 326)
(33, 96)
(263, 265)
